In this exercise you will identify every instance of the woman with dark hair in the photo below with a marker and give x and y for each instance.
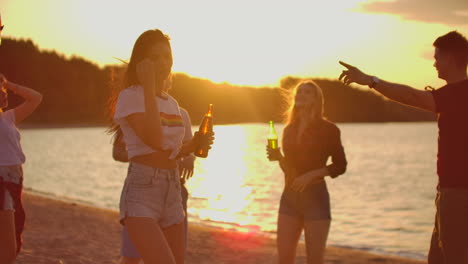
(153, 132)
(308, 141)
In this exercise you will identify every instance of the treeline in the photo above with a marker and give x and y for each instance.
(76, 91)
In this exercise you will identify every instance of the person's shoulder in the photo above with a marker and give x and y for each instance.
(8, 115)
(458, 85)
(131, 90)
(329, 125)
(288, 127)
(171, 99)
(183, 111)
(462, 84)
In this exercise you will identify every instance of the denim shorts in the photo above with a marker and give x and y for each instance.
(12, 174)
(311, 204)
(152, 193)
(129, 250)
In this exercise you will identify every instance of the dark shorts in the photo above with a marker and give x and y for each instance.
(11, 189)
(449, 244)
(311, 204)
(11, 174)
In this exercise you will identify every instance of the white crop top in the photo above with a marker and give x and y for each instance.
(11, 152)
(131, 100)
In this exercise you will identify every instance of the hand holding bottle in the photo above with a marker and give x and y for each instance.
(273, 151)
(202, 141)
(274, 154)
(204, 137)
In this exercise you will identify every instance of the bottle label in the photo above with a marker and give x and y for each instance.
(273, 143)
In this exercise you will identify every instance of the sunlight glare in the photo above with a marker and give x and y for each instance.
(223, 188)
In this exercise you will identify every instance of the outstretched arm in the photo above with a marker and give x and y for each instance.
(400, 93)
(32, 99)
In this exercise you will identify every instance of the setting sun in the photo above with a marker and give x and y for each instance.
(244, 42)
(319, 144)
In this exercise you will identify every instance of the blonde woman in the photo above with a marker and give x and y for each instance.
(308, 141)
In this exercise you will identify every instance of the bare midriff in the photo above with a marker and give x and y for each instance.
(159, 159)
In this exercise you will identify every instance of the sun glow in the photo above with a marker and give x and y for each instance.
(230, 185)
(241, 42)
(224, 186)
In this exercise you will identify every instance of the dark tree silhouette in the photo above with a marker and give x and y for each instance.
(76, 91)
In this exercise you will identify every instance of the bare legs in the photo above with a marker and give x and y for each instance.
(175, 236)
(154, 244)
(316, 234)
(289, 232)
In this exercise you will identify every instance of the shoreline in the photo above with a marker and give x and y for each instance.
(67, 232)
(231, 227)
(36, 125)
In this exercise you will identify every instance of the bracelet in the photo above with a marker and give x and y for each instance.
(374, 82)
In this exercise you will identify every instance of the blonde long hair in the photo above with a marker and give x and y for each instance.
(316, 111)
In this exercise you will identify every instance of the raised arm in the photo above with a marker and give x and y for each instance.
(32, 99)
(400, 93)
(147, 125)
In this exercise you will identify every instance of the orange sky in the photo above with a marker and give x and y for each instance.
(250, 42)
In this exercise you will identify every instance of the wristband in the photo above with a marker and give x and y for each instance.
(374, 82)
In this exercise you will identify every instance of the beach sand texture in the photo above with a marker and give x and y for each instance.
(70, 233)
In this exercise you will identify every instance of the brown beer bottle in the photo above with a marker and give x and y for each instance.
(206, 127)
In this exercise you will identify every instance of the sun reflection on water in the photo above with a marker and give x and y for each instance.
(237, 188)
(220, 178)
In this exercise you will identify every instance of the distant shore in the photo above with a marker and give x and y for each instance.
(68, 233)
(105, 125)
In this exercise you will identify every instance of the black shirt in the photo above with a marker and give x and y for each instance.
(319, 141)
(452, 158)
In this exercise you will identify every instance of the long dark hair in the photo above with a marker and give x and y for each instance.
(140, 50)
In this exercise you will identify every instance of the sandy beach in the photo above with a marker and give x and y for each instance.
(71, 233)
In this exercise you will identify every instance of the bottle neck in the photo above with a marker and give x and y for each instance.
(210, 111)
(272, 132)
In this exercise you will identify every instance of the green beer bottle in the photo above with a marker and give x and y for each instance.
(206, 127)
(272, 137)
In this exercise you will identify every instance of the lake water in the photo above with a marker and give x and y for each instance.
(383, 203)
